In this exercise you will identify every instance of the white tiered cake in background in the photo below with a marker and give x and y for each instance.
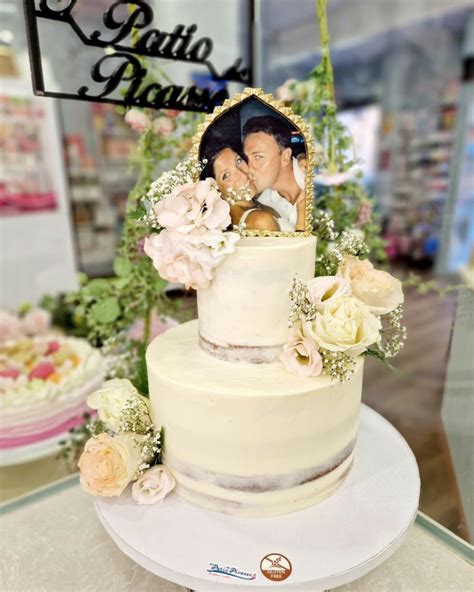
(242, 435)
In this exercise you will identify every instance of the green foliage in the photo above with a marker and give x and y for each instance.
(71, 449)
(315, 102)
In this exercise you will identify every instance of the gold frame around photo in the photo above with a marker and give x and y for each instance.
(286, 112)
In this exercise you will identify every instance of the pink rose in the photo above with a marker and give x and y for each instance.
(10, 326)
(158, 326)
(194, 207)
(108, 464)
(153, 486)
(137, 120)
(300, 354)
(36, 322)
(163, 126)
(324, 289)
(176, 261)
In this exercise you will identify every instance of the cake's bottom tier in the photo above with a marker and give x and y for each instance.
(282, 494)
(246, 439)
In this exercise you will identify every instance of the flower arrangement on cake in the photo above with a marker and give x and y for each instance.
(124, 446)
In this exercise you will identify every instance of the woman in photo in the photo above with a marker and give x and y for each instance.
(230, 170)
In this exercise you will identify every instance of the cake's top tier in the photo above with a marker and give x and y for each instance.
(243, 315)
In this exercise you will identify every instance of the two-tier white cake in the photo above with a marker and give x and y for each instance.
(243, 435)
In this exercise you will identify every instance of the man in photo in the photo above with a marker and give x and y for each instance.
(267, 148)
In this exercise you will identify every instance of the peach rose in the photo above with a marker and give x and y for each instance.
(300, 355)
(153, 486)
(324, 289)
(379, 290)
(137, 120)
(344, 325)
(108, 464)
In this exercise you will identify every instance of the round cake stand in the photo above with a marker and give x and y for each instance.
(330, 544)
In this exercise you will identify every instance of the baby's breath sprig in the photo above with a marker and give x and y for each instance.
(337, 365)
(300, 307)
(121, 359)
(234, 195)
(324, 226)
(151, 450)
(393, 333)
(186, 171)
(350, 242)
(135, 416)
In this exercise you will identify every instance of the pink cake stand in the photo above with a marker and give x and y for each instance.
(330, 544)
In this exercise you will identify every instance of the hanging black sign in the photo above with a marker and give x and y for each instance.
(122, 68)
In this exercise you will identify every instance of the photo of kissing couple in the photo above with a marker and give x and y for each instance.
(258, 159)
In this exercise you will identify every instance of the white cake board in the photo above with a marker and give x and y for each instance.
(330, 544)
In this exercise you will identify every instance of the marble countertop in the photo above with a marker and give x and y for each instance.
(55, 543)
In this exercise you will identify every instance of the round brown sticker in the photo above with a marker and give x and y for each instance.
(276, 567)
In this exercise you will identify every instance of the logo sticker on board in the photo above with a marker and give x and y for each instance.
(276, 567)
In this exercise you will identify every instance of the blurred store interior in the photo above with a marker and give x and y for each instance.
(404, 86)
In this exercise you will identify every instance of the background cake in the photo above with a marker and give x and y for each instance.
(242, 434)
(44, 383)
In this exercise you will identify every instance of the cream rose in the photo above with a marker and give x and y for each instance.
(153, 486)
(110, 400)
(379, 290)
(344, 325)
(324, 289)
(300, 354)
(108, 464)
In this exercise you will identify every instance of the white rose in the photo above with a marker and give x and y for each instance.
(110, 401)
(344, 325)
(379, 290)
(153, 486)
(325, 289)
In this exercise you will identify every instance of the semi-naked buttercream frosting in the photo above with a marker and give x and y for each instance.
(243, 314)
(249, 439)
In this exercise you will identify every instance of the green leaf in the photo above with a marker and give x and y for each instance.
(122, 267)
(121, 282)
(106, 311)
(82, 278)
(98, 287)
(142, 374)
(160, 284)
